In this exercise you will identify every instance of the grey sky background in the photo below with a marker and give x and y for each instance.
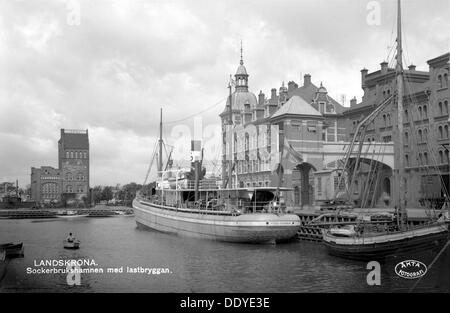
(112, 71)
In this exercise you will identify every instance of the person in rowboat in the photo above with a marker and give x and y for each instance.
(70, 238)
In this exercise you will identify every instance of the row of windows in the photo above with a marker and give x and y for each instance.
(78, 188)
(49, 188)
(252, 166)
(79, 177)
(422, 134)
(257, 184)
(76, 155)
(423, 158)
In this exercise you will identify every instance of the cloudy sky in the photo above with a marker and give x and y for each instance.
(109, 65)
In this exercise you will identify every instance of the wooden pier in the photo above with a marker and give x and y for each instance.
(99, 211)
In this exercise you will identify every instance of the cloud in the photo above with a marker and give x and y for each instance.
(111, 72)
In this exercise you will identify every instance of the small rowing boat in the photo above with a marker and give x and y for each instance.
(12, 250)
(73, 244)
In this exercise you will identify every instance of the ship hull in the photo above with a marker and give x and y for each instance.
(380, 247)
(244, 228)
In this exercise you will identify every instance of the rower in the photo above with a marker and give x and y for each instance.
(70, 238)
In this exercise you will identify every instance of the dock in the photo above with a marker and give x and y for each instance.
(97, 211)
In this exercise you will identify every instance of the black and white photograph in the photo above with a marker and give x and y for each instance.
(238, 148)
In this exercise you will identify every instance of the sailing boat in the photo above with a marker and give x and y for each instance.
(186, 203)
(371, 244)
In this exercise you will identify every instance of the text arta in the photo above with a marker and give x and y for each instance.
(247, 302)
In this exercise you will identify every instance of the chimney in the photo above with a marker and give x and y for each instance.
(353, 102)
(292, 86)
(261, 98)
(364, 72)
(412, 67)
(384, 67)
(273, 94)
(306, 80)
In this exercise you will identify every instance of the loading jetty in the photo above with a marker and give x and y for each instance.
(48, 213)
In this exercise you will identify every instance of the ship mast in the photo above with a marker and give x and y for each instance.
(160, 141)
(399, 156)
(230, 122)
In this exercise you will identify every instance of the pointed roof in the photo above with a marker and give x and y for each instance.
(296, 106)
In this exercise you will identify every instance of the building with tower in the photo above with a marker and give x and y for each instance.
(69, 183)
(307, 132)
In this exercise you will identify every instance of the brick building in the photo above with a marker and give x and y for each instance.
(69, 183)
(313, 131)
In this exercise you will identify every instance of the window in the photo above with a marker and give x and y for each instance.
(419, 133)
(425, 156)
(446, 131)
(406, 138)
(85, 155)
(406, 116)
(69, 176)
(446, 107)
(407, 160)
(71, 154)
(441, 134)
(69, 188)
(440, 82)
(420, 112)
(425, 113)
(441, 157)
(441, 111)
(446, 80)
(67, 154)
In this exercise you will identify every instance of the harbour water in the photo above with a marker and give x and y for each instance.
(194, 265)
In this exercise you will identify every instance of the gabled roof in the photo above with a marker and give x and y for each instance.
(308, 93)
(296, 106)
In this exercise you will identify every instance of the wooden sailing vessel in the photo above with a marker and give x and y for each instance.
(371, 243)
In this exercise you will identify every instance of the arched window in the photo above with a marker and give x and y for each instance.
(425, 156)
(406, 138)
(420, 159)
(441, 157)
(446, 131)
(71, 154)
(446, 80)
(440, 132)
(389, 119)
(67, 154)
(419, 133)
(440, 82)
(407, 160)
(85, 155)
(446, 156)
(441, 111)
(384, 119)
(425, 113)
(420, 112)
(406, 116)
(425, 133)
(445, 107)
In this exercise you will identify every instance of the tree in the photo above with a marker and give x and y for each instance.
(107, 193)
(97, 194)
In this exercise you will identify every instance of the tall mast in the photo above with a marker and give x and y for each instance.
(160, 163)
(399, 166)
(231, 141)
